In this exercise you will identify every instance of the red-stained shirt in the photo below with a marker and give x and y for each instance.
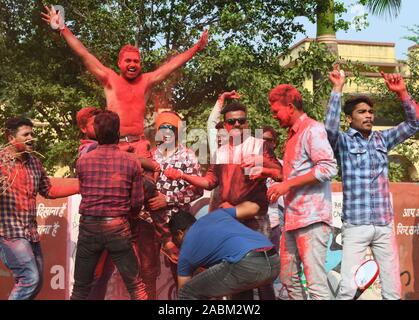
(20, 181)
(110, 182)
(233, 181)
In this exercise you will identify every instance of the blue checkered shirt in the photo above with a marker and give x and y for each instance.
(364, 164)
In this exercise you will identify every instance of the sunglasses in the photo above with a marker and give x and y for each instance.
(167, 126)
(233, 121)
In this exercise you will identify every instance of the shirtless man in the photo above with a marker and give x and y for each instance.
(127, 92)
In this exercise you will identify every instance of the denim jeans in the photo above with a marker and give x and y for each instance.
(25, 260)
(230, 278)
(103, 274)
(115, 236)
(149, 253)
(382, 240)
(306, 246)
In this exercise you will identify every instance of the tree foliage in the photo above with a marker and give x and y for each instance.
(41, 78)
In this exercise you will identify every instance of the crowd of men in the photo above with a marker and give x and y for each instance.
(136, 199)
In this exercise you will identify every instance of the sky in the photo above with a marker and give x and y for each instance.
(380, 29)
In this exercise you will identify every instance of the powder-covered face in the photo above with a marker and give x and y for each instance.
(235, 122)
(283, 113)
(23, 140)
(130, 65)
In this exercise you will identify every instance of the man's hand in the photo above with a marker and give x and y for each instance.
(395, 83)
(173, 173)
(263, 173)
(226, 205)
(277, 190)
(53, 18)
(158, 202)
(252, 160)
(202, 43)
(230, 95)
(337, 78)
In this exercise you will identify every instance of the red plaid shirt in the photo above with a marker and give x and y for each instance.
(110, 182)
(21, 180)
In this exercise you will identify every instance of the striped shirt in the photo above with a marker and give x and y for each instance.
(110, 182)
(21, 180)
(364, 164)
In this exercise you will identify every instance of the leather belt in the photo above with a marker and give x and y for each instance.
(100, 218)
(267, 253)
(131, 138)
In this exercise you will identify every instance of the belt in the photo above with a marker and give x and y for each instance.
(100, 218)
(131, 138)
(268, 253)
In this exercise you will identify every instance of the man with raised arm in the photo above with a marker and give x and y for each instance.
(367, 213)
(127, 92)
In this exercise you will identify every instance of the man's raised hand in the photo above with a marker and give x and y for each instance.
(395, 83)
(231, 95)
(337, 78)
(53, 18)
(202, 43)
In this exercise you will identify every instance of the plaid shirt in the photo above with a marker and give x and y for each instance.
(21, 180)
(179, 193)
(110, 182)
(364, 164)
(308, 151)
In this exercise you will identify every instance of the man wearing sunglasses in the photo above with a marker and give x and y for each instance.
(233, 180)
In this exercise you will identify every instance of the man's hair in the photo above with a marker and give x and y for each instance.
(272, 131)
(127, 48)
(233, 106)
(181, 221)
(351, 103)
(84, 114)
(285, 94)
(106, 127)
(12, 125)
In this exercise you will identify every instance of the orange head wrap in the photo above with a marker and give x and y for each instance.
(168, 117)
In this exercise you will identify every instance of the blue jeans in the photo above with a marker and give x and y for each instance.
(25, 260)
(231, 278)
(115, 236)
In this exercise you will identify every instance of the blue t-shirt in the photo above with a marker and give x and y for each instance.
(216, 237)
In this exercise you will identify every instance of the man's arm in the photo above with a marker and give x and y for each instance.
(99, 71)
(214, 118)
(60, 190)
(324, 164)
(209, 182)
(165, 70)
(404, 130)
(181, 280)
(247, 210)
(332, 123)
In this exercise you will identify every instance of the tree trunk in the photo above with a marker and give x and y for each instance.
(325, 33)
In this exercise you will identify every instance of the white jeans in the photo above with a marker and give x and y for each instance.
(382, 240)
(306, 246)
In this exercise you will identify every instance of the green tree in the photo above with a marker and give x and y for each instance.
(42, 79)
